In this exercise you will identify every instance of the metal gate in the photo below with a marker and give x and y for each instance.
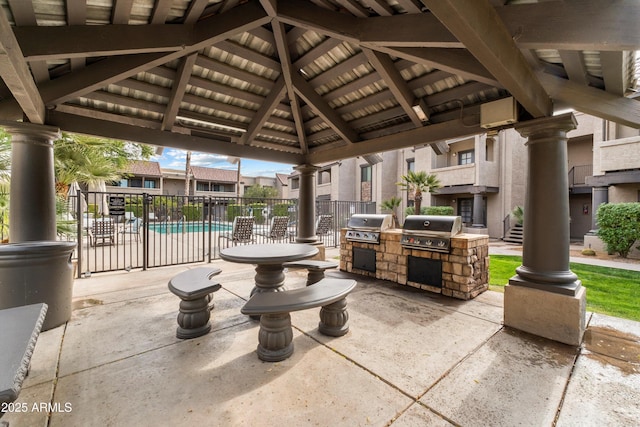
(124, 231)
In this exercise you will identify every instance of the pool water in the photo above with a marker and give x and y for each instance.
(189, 227)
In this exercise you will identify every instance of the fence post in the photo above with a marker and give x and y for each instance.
(146, 200)
(79, 231)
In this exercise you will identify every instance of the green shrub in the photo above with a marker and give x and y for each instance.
(619, 226)
(281, 209)
(410, 210)
(439, 210)
(234, 210)
(258, 212)
(192, 212)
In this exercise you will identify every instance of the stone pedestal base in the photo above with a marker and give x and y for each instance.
(546, 314)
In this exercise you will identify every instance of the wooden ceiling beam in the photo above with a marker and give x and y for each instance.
(614, 72)
(132, 132)
(16, 75)
(410, 138)
(396, 84)
(265, 111)
(454, 61)
(573, 63)
(478, 26)
(178, 90)
(330, 116)
(282, 47)
(593, 101)
(114, 69)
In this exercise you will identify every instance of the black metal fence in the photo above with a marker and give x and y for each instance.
(123, 231)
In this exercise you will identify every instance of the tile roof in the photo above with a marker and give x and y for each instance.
(216, 175)
(282, 178)
(144, 168)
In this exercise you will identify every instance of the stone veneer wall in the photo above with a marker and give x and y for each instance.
(465, 270)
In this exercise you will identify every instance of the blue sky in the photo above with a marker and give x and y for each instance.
(175, 159)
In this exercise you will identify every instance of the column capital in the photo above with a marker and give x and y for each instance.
(554, 124)
(31, 131)
(307, 168)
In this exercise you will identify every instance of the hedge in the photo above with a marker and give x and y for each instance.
(619, 226)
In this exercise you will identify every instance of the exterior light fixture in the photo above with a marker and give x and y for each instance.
(421, 109)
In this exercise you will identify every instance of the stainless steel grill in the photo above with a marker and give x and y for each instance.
(367, 227)
(430, 232)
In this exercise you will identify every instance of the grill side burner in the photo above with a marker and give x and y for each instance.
(430, 232)
(367, 227)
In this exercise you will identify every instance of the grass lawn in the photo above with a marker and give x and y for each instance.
(609, 290)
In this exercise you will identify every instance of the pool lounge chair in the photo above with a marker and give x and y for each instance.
(277, 228)
(241, 232)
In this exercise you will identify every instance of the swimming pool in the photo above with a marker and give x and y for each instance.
(189, 227)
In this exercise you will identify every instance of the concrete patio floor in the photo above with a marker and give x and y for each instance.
(411, 358)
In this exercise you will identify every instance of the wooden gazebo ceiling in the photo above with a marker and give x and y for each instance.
(310, 81)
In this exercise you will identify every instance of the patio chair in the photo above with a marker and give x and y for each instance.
(102, 230)
(241, 232)
(131, 227)
(323, 224)
(278, 228)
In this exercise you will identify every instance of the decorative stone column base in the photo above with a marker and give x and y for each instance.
(320, 256)
(547, 314)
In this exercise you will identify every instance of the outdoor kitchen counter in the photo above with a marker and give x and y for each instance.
(464, 270)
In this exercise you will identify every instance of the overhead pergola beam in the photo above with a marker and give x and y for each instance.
(287, 73)
(397, 85)
(409, 138)
(110, 129)
(114, 69)
(178, 90)
(264, 112)
(15, 73)
(478, 26)
(593, 101)
(320, 107)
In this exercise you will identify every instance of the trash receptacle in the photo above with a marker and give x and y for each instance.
(38, 271)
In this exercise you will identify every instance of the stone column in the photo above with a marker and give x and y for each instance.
(307, 204)
(599, 196)
(33, 195)
(545, 297)
(478, 211)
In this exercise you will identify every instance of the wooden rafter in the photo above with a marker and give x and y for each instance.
(177, 90)
(16, 75)
(288, 74)
(397, 85)
(479, 27)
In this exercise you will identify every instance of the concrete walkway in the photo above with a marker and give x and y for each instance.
(411, 358)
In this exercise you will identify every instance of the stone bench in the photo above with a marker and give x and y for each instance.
(19, 330)
(275, 339)
(194, 289)
(316, 268)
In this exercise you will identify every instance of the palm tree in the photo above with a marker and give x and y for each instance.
(89, 159)
(391, 205)
(417, 183)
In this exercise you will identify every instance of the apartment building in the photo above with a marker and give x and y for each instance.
(483, 177)
(149, 177)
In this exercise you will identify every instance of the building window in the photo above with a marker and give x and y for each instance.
(465, 157)
(411, 165)
(324, 176)
(150, 183)
(295, 183)
(135, 182)
(202, 186)
(365, 174)
(465, 210)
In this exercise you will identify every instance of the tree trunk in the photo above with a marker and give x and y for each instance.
(417, 202)
(186, 173)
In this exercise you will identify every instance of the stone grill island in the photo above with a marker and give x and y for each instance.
(462, 272)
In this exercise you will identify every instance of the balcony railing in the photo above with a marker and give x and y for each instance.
(578, 175)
